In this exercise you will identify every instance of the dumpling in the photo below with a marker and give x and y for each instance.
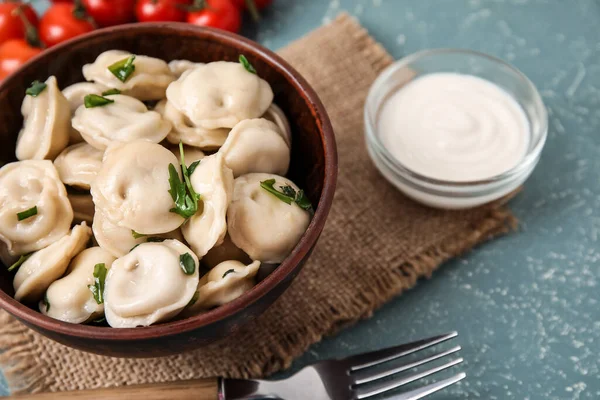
(75, 95)
(261, 224)
(45, 266)
(276, 115)
(118, 240)
(83, 207)
(125, 120)
(178, 67)
(214, 182)
(78, 165)
(46, 126)
(132, 187)
(185, 131)
(223, 252)
(152, 283)
(148, 81)
(220, 94)
(256, 145)
(224, 283)
(190, 153)
(23, 186)
(70, 299)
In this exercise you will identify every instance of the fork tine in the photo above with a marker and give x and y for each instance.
(366, 376)
(428, 389)
(363, 393)
(367, 360)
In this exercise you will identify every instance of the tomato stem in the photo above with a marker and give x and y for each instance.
(31, 33)
(253, 10)
(80, 12)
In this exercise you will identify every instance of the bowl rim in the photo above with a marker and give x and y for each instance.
(287, 267)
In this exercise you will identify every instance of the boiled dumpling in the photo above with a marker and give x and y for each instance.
(47, 265)
(148, 81)
(178, 67)
(83, 207)
(28, 184)
(70, 299)
(256, 145)
(214, 182)
(276, 115)
(132, 187)
(185, 131)
(224, 283)
(223, 252)
(125, 120)
(75, 95)
(261, 224)
(118, 240)
(152, 283)
(220, 94)
(79, 164)
(46, 126)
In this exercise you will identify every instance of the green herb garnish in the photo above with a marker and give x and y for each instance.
(46, 302)
(27, 213)
(187, 263)
(192, 167)
(288, 194)
(98, 321)
(110, 92)
(181, 191)
(246, 64)
(193, 300)
(98, 287)
(155, 239)
(19, 262)
(229, 271)
(36, 88)
(93, 100)
(137, 235)
(123, 69)
(133, 248)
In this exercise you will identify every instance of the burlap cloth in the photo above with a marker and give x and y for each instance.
(376, 244)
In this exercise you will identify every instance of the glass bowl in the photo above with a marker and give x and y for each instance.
(448, 194)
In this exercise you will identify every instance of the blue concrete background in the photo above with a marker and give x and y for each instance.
(525, 305)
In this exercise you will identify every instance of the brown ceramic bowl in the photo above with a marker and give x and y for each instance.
(313, 167)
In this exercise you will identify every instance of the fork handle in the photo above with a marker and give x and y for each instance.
(198, 389)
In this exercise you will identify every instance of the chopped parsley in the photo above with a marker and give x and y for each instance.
(182, 192)
(187, 264)
(193, 300)
(35, 89)
(93, 100)
(98, 287)
(123, 69)
(27, 213)
(137, 235)
(46, 302)
(246, 64)
(288, 195)
(19, 262)
(110, 92)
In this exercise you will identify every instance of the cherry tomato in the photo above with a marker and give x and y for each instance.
(220, 14)
(13, 54)
(260, 4)
(110, 12)
(60, 24)
(161, 10)
(11, 24)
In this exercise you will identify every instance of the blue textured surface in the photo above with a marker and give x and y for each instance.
(525, 305)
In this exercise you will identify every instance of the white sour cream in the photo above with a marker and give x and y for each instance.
(454, 127)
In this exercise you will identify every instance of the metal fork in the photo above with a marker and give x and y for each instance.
(352, 378)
